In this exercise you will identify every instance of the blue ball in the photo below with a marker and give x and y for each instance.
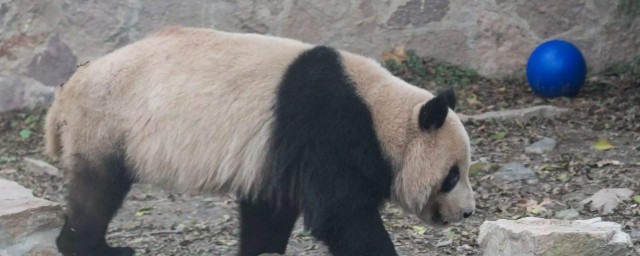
(556, 68)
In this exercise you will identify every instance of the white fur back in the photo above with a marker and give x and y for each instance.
(192, 106)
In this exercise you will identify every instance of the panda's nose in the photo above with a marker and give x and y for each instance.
(467, 214)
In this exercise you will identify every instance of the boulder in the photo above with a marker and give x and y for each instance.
(28, 225)
(536, 236)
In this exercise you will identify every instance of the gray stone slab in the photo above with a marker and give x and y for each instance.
(536, 236)
(28, 225)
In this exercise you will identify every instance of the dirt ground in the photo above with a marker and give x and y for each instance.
(162, 222)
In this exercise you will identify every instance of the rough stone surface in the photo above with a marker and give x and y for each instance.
(11, 93)
(536, 236)
(53, 66)
(500, 42)
(42, 41)
(568, 214)
(40, 167)
(543, 146)
(40, 250)
(28, 225)
(419, 13)
(550, 17)
(8, 171)
(519, 115)
(515, 172)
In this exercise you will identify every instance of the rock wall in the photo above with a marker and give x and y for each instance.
(42, 41)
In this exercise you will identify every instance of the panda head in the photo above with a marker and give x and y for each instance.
(432, 181)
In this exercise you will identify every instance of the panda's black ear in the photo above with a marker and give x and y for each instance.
(450, 95)
(433, 113)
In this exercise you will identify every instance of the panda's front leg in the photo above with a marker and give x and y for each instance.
(357, 232)
(265, 227)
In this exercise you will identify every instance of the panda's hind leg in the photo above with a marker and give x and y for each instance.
(96, 191)
(264, 227)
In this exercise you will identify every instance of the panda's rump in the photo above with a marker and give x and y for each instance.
(192, 108)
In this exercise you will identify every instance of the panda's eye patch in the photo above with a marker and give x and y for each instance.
(451, 180)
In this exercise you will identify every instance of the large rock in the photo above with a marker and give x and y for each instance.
(42, 41)
(536, 236)
(28, 225)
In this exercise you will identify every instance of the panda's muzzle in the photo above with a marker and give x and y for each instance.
(437, 219)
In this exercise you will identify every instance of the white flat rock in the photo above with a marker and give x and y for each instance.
(28, 224)
(536, 236)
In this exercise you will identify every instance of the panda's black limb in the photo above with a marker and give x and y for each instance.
(326, 157)
(96, 191)
(265, 227)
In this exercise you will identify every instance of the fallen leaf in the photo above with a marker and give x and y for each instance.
(25, 133)
(499, 135)
(419, 229)
(7, 159)
(143, 211)
(29, 120)
(473, 99)
(563, 177)
(606, 162)
(387, 224)
(227, 242)
(636, 199)
(449, 234)
(602, 144)
(476, 168)
(399, 55)
(605, 200)
(532, 206)
(8, 171)
(537, 210)
(524, 202)
(553, 167)
(444, 242)
(487, 177)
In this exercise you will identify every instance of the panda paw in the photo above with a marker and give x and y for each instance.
(122, 251)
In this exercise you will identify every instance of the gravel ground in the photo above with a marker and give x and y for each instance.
(161, 222)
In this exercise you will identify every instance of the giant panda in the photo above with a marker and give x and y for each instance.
(288, 127)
